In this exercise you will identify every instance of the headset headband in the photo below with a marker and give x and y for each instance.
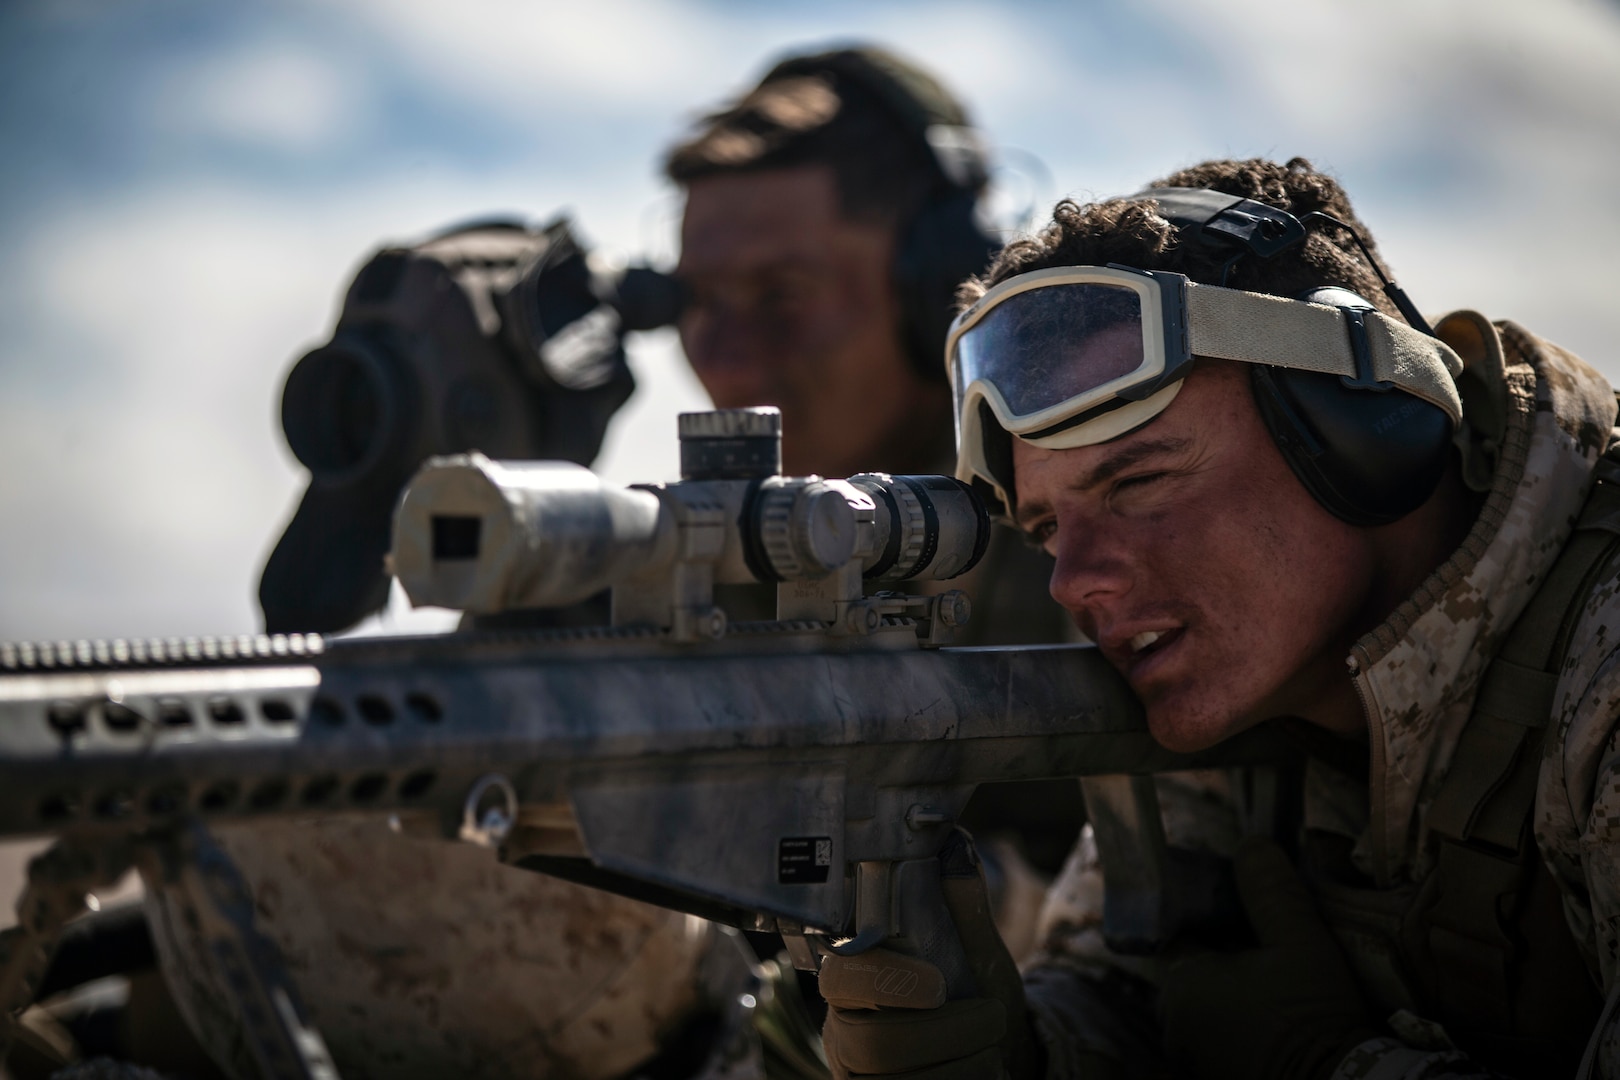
(928, 112)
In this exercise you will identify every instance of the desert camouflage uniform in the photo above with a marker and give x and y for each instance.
(1418, 675)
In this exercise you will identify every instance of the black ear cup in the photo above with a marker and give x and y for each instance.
(940, 247)
(1369, 457)
(1368, 452)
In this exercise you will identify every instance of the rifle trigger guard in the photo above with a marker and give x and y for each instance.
(490, 811)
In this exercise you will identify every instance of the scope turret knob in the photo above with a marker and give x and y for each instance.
(806, 528)
(731, 444)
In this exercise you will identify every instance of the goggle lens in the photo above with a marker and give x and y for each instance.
(1050, 345)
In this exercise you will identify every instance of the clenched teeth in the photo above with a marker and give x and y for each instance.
(1144, 639)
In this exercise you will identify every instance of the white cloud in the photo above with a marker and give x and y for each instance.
(560, 56)
(674, 59)
(281, 95)
(1379, 75)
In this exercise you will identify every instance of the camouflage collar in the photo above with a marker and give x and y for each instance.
(1544, 417)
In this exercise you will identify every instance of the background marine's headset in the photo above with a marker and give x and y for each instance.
(943, 242)
(1367, 451)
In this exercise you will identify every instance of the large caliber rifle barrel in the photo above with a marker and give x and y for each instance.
(706, 772)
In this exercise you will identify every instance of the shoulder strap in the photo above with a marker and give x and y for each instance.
(1515, 697)
(1482, 810)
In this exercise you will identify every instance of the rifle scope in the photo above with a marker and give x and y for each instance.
(487, 536)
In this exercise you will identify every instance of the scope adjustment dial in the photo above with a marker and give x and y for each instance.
(807, 528)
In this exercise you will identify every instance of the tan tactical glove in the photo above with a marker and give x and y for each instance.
(1289, 1009)
(887, 1013)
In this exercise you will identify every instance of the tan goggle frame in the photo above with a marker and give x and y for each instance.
(1226, 324)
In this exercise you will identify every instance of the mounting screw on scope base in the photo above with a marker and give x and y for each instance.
(698, 624)
(862, 619)
(954, 608)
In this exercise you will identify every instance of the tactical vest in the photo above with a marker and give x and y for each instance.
(1481, 947)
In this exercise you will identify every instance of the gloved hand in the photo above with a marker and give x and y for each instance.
(1289, 1009)
(887, 1013)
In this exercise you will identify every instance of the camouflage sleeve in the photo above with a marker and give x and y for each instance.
(1578, 800)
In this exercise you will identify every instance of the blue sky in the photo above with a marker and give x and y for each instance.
(187, 187)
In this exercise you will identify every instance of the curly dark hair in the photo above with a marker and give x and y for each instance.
(1133, 234)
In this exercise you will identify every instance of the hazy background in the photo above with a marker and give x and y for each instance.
(186, 187)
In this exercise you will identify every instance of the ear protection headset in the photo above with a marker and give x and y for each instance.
(1368, 452)
(941, 243)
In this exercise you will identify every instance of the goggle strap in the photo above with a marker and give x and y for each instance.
(1259, 329)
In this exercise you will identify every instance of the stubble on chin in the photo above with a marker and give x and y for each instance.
(1183, 721)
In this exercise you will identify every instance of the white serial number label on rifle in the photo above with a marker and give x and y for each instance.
(803, 860)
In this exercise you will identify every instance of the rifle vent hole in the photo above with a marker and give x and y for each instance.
(59, 807)
(218, 797)
(225, 711)
(170, 799)
(375, 710)
(368, 787)
(66, 717)
(326, 711)
(173, 712)
(417, 784)
(268, 795)
(277, 711)
(121, 717)
(425, 707)
(115, 804)
(319, 790)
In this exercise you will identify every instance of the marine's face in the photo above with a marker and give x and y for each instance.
(1195, 559)
(793, 305)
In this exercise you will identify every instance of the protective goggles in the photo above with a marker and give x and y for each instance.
(1077, 355)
